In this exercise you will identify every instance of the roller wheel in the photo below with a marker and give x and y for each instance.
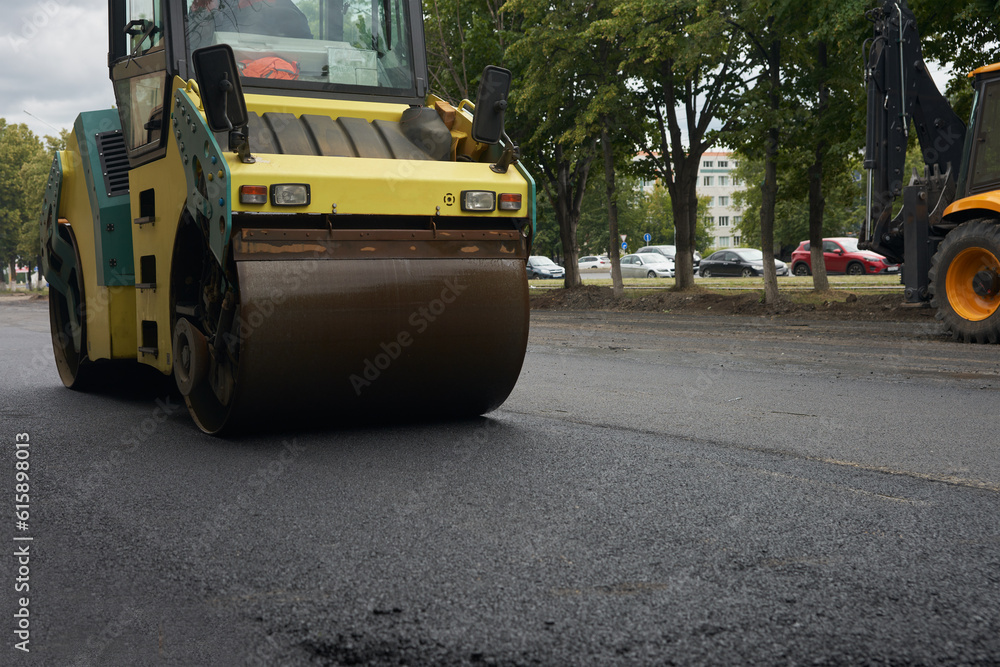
(801, 269)
(191, 360)
(68, 324)
(855, 269)
(965, 281)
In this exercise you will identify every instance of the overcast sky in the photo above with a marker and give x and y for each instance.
(54, 62)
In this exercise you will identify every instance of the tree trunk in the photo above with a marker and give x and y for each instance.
(817, 202)
(769, 189)
(570, 186)
(609, 176)
(685, 206)
(816, 205)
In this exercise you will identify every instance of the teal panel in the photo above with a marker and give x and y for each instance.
(112, 214)
(531, 195)
(207, 174)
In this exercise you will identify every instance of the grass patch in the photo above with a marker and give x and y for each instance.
(785, 283)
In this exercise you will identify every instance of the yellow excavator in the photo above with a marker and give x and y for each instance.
(947, 232)
(280, 215)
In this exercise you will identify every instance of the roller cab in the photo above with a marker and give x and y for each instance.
(290, 224)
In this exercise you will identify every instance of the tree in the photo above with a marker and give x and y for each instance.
(658, 218)
(959, 33)
(593, 232)
(683, 59)
(562, 143)
(843, 210)
(463, 37)
(20, 189)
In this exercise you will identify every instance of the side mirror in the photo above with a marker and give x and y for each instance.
(219, 85)
(491, 102)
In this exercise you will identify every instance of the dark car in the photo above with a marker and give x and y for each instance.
(744, 262)
(841, 255)
(543, 267)
(669, 251)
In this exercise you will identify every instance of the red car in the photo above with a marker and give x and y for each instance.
(841, 255)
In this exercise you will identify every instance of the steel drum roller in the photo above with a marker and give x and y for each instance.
(347, 338)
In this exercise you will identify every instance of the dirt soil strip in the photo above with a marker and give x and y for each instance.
(842, 305)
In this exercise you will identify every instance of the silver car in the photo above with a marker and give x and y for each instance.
(543, 267)
(669, 251)
(649, 265)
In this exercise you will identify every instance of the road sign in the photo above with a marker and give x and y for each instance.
(647, 237)
(623, 237)
(624, 246)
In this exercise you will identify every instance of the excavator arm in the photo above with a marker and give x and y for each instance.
(902, 97)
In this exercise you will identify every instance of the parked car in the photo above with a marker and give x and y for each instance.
(592, 262)
(841, 255)
(543, 267)
(744, 262)
(669, 251)
(650, 265)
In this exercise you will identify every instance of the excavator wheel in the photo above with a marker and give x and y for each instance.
(68, 321)
(965, 281)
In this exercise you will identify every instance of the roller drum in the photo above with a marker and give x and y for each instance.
(334, 340)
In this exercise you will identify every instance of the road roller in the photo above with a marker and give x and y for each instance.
(280, 214)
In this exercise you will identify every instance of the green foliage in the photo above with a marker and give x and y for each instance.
(462, 38)
(844, 213)
(592, 234)
(659, 220)
(962, 34)
(25, 161)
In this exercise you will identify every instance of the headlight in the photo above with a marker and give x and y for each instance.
(290, 194)
(479, 201)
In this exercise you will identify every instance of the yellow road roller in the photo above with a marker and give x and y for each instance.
(280, 215)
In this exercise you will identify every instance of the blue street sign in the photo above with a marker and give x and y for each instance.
(647, 237)
(624, 245)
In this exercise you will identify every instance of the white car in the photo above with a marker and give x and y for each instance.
(592, 262)
(648, 265)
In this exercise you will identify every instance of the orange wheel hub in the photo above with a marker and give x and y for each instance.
(965, 287)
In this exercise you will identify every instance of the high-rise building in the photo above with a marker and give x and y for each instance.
(715, 180)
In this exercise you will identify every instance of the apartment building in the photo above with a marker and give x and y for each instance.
(715, 180)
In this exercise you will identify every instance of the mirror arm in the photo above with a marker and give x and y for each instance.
(226, 86)
(511, 154)
(239, 143)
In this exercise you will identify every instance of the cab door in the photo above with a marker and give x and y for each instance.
(138, 62)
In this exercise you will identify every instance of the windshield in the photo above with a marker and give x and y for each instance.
(751, 255)
(850, 245)
(318, 44)
(542, 261)
(656, 258)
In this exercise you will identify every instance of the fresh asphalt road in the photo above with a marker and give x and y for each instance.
(657, 489)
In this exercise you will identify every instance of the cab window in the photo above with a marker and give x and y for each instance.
(310, 43)
(139, 74)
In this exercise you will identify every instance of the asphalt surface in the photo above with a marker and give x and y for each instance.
(657, 490)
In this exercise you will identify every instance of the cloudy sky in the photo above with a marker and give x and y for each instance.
(54, 57)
